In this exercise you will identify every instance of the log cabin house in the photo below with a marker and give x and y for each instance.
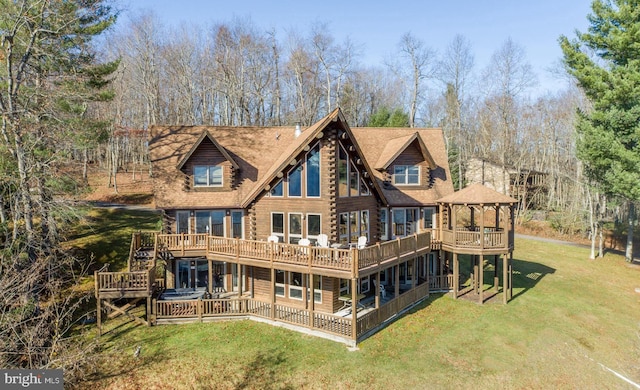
(330, 230)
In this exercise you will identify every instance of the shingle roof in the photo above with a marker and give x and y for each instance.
(371, 141)
(477, 194)
(261, 153)
(394, 147)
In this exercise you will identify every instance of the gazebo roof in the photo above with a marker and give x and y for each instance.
(477, 194)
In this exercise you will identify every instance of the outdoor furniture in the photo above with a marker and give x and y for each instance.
(275, 239)
(323, 241)
(348, 301)
(362, 242)
(383, 290)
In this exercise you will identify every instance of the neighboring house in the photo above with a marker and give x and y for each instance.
(528, 186)
(302, 226)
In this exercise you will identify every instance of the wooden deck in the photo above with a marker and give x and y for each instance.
(332, 324)
(323, 261)
(472, 241)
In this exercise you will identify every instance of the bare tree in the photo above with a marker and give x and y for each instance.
(416, 66)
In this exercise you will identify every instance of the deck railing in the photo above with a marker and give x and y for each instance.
(474, 239)
(200, 309)
(137, 281)
(311, 256)
(441, 282)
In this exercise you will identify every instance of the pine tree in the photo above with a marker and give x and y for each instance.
(605, 61)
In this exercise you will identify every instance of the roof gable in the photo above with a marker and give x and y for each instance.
(307, 137)
(396, 146)
(206, 135)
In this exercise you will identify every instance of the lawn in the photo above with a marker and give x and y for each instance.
(569, 319)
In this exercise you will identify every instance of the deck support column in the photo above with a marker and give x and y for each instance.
(474, 263)
(99, 315)
(505, 279)
(396, 282)
(210, 282)
(354, 309)
(312, 300)
(456, 276)
(273, 293)
(496, 281)
(480, 279)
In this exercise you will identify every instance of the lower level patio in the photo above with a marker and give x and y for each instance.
(344, 325)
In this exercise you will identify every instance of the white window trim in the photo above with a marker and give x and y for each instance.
(312, 236)
(288, 230)
(302, 181)
(282, 285)
(274, 186)
(405, 176)
(295, 288)
(284, 225)
(208, 167)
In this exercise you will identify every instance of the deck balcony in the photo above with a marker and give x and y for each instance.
(473, 241)
(334, 262)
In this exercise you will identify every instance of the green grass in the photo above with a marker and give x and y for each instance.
(105, 234)
(569, 316)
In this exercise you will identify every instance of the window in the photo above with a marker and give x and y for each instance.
(277, 189)
(236, 224)
(295, 285)
(182, 222)
(383, 223)
(354, 180)
(295, 227)
(313, 227)
(210, 222)
(207, 176)
(364, 285)
(277, 225)
(317, 289)
(343, 221)
(295, 181)
(344, 287)
(406, 174)
(429, 217)
(364, 189)
(364, 223)
(353, 226)
(343, 189)
(279, 283)
(313, 172)
(404, 222)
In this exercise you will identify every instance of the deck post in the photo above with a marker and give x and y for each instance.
(354, 309)
(210, 281)
(312, 300)
(481, 279)
(456, 275)
(505, 279)
(273, 292)
(149, 311)
(99, 315)
(510, 262)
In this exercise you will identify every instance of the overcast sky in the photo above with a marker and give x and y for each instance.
(377, 26)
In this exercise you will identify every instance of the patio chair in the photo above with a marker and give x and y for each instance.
(275, 239)
(304, 242)
(323, 241)
(362, 242)
(383, 290)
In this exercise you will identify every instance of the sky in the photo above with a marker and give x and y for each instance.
(377, 26)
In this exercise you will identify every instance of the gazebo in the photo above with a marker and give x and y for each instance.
(478, 222)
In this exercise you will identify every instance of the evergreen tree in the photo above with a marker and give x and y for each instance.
(48, 79)
(606, 63)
